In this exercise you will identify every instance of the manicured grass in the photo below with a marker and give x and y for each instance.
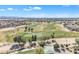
(49, 29)
(46, 30)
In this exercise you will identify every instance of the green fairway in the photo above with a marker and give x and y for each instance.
(41, 29)
(47, 30)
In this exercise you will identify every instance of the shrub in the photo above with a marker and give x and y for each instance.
(77, 41)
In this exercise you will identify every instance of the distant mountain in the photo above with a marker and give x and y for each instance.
(28, 18)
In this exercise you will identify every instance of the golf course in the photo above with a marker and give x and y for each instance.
(41, 29)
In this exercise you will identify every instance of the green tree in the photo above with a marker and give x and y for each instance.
(25, 28)
(34, 37)
(53, 35)
(42, 44)
(19, 39)
(31, 29)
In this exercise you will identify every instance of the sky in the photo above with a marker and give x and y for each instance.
(40, 10)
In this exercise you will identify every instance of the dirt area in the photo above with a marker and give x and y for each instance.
(10, 32)
(5, 49)
(11, 28)
(70, 41)
(63, 28)
(65, 40)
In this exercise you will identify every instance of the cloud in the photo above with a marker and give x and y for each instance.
(27, 9)
(11, 9)
(7, 9)
(37, 8)
(2, 10)
(32, 8)
(24, 9)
